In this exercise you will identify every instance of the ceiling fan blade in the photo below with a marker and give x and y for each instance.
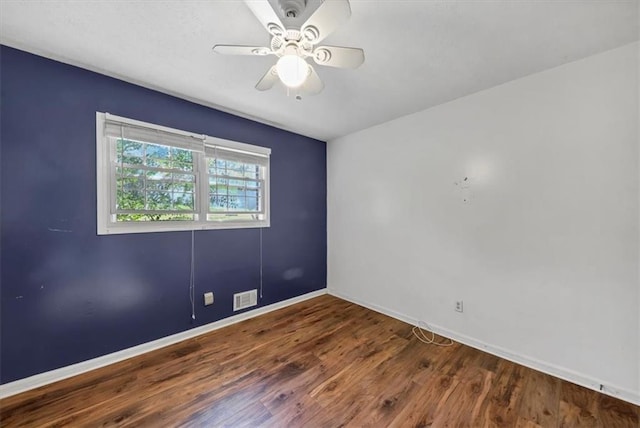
(336, 56)
(267, 16)
(313, 85)
(268, 80)
(241, 50)
(329, 16)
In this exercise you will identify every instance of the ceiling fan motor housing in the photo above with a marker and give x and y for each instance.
(292, 8)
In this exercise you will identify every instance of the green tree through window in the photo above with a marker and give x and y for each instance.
(154, 178)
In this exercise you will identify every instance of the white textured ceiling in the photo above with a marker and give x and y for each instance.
(418, 53)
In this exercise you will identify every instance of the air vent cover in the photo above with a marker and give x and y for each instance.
(245, 300)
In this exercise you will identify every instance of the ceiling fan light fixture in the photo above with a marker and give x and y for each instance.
(292, 70)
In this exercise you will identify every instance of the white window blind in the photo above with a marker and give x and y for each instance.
(120, 127)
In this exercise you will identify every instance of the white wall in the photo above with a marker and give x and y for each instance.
(545, 254)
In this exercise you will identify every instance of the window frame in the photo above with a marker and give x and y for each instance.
(106, 179)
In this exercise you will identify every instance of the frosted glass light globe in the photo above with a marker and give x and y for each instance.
(292, 70)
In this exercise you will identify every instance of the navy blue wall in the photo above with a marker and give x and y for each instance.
(69, 295)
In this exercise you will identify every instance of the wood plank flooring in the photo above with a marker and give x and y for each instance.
(321, 363)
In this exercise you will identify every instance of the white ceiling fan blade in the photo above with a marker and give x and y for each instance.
(313, 85)
(329, 16)
(267, 16)
(241, 50)
(268, 80)
(336, 56)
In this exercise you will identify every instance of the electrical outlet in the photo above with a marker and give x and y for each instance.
(459, 307)
(208, 298)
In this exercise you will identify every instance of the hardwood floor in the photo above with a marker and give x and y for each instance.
(323, 362)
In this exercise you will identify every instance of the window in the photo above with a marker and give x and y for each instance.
(152, 179)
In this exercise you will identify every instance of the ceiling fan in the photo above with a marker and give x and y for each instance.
(293, 45)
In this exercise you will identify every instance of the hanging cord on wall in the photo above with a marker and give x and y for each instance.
(260, 263)
(420, 331)
(192, 282)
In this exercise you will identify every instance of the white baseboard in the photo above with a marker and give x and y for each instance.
(46, 378)
(551, 369)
